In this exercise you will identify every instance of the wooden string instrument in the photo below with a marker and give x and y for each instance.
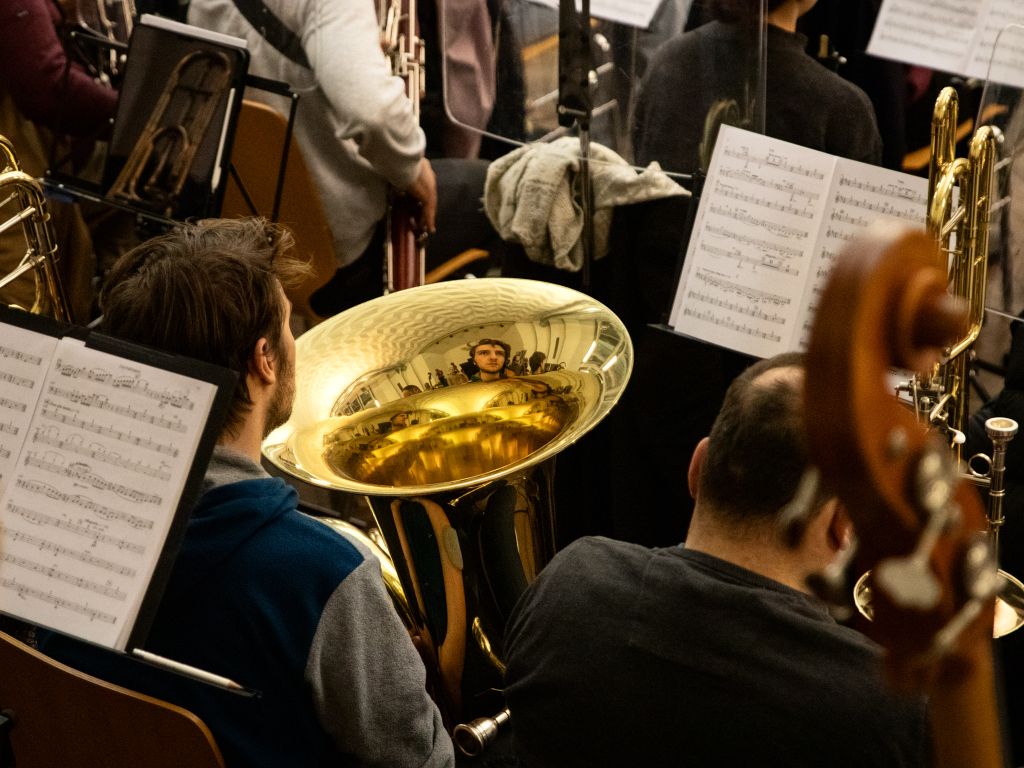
(918, 527)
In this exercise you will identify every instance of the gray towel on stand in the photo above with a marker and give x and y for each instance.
(532, 197)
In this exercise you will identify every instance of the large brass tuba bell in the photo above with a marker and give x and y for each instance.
(40, 258)
(457, 470)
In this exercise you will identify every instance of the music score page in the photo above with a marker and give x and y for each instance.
(956, 36)
(772, 219)
(100, 465)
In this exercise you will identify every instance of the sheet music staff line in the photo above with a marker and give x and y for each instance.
(24, 357)
(736, 307)
(766, 261)
(107, 513)
(785, 187)
(99, 429)
(725, 190)
(59, 602)
(9, 428)
(884, 209)
(774, 161)
(711, 317)
(83, 473)
(128, 383)
(14, 405)
(57, 549)
(39, 518)
(751, 294)
(783, 250)
(741, 215)
(98, 453)
(18, 381)
(53, 572)
(103, 403)
(886, 190)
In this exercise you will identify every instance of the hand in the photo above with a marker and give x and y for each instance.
(424, 189)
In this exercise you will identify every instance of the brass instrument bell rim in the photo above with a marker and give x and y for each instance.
(1012, 598)
(515, 301)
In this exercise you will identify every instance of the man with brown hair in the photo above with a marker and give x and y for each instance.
(712, 653)
(261, 594)
(490, 357)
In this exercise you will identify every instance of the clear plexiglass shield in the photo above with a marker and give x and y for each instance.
(664, 75)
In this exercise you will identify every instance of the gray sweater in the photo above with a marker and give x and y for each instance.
(354, 125)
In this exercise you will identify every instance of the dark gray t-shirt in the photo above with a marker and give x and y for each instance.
(620, 656)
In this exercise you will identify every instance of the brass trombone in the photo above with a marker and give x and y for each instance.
(941, 396)
(41, 254)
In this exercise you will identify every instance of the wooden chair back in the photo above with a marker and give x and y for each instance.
(64, 718)
(258, 146)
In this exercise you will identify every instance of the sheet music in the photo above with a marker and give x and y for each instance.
(752, 245)
(96, 485)
(937, 34)
(1008, 60)
(860, 194)
(636, 13)
(24, 360)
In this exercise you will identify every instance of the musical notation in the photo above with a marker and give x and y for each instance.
(53, 572)
(50, 411)
(775, 161)
(763, 260)
(897, 191)
(4, 454)
(23, 589)
(734, 306)
(57, 549)
(9, 428)
(841, 215)
(838, 234)
(14, 354)
(723, 322)
(18, 381)
(884, 210)
(50, 436)
(40, 518)
(103, 403)
(14, 405)
(125, 382)
(750, 294)
(786, 187)
(107, 513)
(757, 242)
(83, 473)
(725, 190)
(776, 229)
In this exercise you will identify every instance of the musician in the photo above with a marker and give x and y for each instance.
(357, 132)
(711, 653)
(45, 98)
(260, 593)
(490, 358)
(699, 73)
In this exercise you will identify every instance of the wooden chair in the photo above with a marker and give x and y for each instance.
(258, 145)
(66, 718)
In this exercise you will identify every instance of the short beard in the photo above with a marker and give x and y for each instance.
(280, 409)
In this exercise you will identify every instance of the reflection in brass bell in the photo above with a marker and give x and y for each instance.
(384, 404)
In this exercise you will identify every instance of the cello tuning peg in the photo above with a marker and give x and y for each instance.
(833, 585)
(797, 514)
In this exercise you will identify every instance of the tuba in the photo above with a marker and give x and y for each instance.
(459, 474)
(111, 21)
(41, 255)
(941, 395)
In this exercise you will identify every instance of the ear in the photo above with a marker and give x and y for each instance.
(697, 466)
(840, 530)
(261, 363)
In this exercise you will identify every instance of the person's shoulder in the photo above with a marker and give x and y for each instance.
(595, 564)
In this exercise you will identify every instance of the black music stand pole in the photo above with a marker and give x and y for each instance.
(576, 105)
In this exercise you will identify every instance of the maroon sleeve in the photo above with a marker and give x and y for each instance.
(34, 70)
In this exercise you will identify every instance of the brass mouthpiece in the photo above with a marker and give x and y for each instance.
(473, 739)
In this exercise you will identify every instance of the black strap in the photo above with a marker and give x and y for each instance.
(273, 30)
